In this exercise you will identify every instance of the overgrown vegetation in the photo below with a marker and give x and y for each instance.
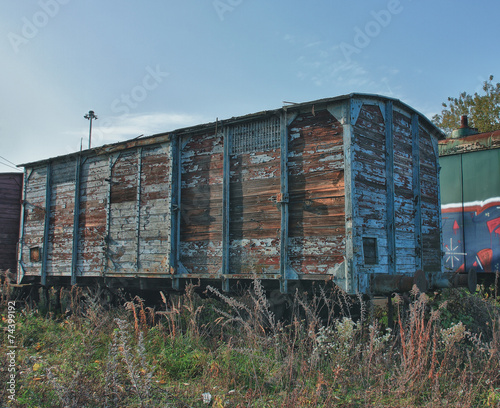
(224, 351)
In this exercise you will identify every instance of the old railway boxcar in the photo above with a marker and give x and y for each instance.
(470, 186)
(10, 209)
(344, 189)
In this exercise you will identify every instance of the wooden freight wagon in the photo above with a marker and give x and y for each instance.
(11, 185)
(344, 189)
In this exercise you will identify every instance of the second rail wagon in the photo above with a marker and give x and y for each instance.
(344, 189)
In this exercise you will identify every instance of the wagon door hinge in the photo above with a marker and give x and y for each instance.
(282, 198)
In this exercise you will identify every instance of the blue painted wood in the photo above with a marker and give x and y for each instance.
(417, 199)
(435, 146)
(284, 202)
(112, 161)
(138, 208)
(355, 109)
(389, 170)
(350, 199)
(48, 193)
(175, 210)
(76, 219)
(226, 208)
(21, 269)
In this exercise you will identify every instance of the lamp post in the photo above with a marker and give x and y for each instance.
(91, 115)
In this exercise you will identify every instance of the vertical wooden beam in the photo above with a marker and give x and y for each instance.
(76, 219)
(138, 209)
(352, 112)
(48, 194)
(417, 198)
(175, 210)
(284, 200)
(226, 179)
(389, 171)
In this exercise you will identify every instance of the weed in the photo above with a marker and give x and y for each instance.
(331, 351)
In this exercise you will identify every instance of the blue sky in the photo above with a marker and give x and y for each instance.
(154, 66)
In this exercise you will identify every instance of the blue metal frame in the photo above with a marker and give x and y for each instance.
(21, 237)
(352, 246)
(175, 210)
(76, 219)
(112, 162)
(284, 201)
(138, 208)
(48, 193)
(389, 170)
(417, 198)
(226, 208)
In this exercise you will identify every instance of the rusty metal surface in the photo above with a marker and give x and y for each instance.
(481, 141)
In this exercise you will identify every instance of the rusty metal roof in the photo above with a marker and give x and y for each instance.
(480, 141)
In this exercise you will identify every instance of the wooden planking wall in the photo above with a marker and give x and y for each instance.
(429, 181)
(92, 222)
(10, 208)
(123, 220)
(316, 194)
(155, 220)
(255, 215)
(415, 209)
(201, 203)
(124, 223)
(122, 254)
(34, 215)
(317, 197)
(369, 169)
(60, 234)
(405, 206)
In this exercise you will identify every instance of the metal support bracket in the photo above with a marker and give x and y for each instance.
(76, 218)
(226, 208)
(175, 207)
(48, 196)
(138, 209)
(21, 238)
(417, 200)
(112, 161)
(389, 170)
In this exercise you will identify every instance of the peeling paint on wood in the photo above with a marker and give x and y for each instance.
(193, 205)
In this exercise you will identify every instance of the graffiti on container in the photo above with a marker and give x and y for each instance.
(471, 235)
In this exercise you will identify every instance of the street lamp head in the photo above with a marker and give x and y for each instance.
(90, 115)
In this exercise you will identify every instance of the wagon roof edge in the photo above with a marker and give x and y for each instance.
(165, 136)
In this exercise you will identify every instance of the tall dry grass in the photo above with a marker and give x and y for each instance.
(331, 350)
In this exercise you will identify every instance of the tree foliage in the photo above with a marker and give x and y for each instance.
(483, 111)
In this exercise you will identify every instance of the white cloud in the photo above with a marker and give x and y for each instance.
(128, 126)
